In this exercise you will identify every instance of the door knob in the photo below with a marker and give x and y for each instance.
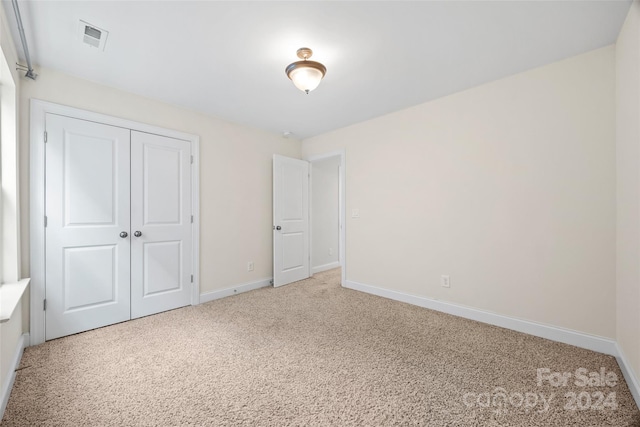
(278, 228)
(123, 234)
(137, 233)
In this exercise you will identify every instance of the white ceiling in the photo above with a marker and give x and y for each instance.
(227, 59)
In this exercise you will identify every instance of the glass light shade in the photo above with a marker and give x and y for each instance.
(306, 78)
(306, 75)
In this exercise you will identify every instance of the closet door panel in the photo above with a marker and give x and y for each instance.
(87, 209)
(161, 223)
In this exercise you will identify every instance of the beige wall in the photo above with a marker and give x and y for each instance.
(628, 187)
(509, 188)
(235, 174)
(10, 331)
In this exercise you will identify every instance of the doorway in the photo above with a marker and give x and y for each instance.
(293, 194)
(327, 212)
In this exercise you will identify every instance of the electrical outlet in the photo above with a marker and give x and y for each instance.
(250, 266)
(330, 251)
(444, 281)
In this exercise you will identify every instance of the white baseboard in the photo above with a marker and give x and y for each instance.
(23, 342)
(567, 336)
(629, 375)
(325, 267)
(235, 290)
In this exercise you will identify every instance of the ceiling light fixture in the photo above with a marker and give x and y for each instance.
(305, 74)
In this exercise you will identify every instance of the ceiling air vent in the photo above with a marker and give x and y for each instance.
(92, 35)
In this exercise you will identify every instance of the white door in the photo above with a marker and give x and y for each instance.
(291, 220)
(160, 223)
(87, 211)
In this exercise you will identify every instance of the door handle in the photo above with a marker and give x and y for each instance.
(123, 234)
(137, 233)
(278, 228)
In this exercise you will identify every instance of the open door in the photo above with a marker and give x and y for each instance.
(290, 220)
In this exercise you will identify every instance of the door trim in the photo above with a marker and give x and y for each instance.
(343, 206)
(39, 109)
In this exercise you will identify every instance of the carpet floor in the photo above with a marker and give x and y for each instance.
(314, 354)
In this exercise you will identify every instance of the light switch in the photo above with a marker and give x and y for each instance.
(355, 213)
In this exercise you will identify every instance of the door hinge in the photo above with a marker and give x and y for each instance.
(192, 159)
(44, 305)
(45, 220)
(192, 278)
(191, 219)
(45, 137)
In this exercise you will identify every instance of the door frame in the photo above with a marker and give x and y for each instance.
(342, 205)
(39, 109)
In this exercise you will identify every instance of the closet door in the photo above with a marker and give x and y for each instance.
(87, 229)
(160, 223)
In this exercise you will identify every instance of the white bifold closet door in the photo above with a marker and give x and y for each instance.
(118, 232)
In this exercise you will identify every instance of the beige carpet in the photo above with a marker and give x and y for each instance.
(311, 353)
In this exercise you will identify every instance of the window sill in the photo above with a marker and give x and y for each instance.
(10, 296)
